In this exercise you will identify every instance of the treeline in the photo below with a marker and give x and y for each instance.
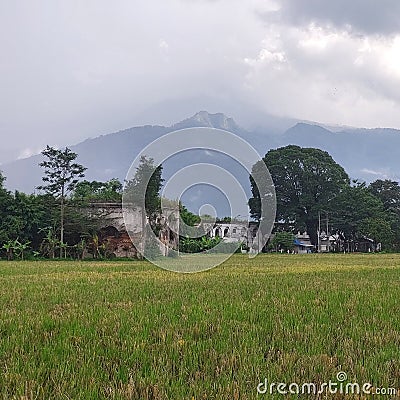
(62, 221)
(310, 186)
(30, 223)
(54, 223)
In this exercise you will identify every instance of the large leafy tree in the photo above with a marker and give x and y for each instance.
(356, 213)
(388, 192)
(22, 217)
(306, 181)
(61, 175)
(378, 229)
(29, 215)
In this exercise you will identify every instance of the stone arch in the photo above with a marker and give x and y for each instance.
(109, 230)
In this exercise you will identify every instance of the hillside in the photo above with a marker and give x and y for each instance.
(366, 154)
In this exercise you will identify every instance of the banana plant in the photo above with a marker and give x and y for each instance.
(9, 248)
(63, 248)
(80, 248)
(49, 243)
(95, 245)
(20, 248)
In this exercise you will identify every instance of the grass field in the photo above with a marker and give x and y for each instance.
(128, 330)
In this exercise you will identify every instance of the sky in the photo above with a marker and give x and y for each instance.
(70, 69)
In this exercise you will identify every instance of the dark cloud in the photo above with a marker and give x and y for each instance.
(364, 16)
(71, 70)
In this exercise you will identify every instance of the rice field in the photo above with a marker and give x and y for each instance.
(128, 330)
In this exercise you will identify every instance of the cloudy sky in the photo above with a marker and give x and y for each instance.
(72, 69)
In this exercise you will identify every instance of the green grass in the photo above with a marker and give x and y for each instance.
(128, 330)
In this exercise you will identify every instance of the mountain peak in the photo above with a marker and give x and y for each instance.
(208, 120)
(304, 128)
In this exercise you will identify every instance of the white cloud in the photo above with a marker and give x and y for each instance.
(28, 152)
(317, 38)
(163, 45)
(378, 174)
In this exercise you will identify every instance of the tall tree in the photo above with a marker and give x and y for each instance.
(61, 174)
(306, 180)
(147, 181)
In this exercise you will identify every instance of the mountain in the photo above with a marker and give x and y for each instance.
(110, 156)
(252, 116)
(366, 154)
(207, 120)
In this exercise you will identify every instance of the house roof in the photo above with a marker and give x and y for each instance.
(297, 242)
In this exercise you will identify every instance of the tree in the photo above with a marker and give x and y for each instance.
(379, 230)
(30, 213)
(188, 217)
(61, 175)
(224, 220)
(354, 212)
(22, 217)
(388, 192)
(190, 225)
(96, 191)
(5, 207)
(306, 181)
(197, 245)
(147, 181)
(283, 241)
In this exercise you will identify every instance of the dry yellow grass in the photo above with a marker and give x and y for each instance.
(128, 330)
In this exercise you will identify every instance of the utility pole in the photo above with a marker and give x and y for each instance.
(327, 231)
(327, 225)
(319, 231)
